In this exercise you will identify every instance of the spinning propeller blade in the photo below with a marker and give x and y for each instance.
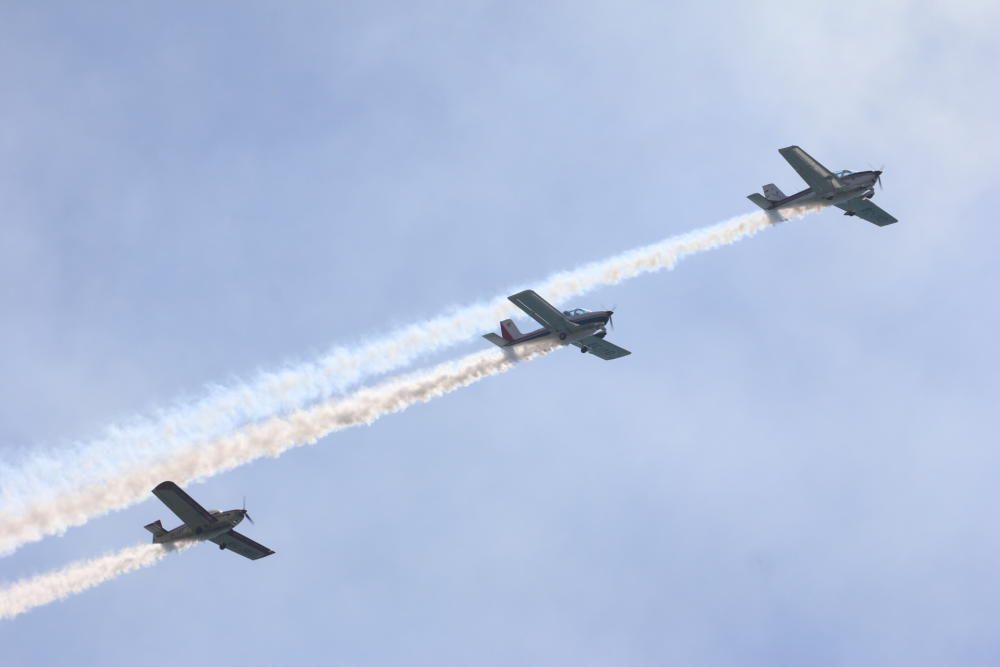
(244, 510)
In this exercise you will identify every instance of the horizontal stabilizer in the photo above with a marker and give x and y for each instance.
(496, 340)
(156, 528)
(761, 201)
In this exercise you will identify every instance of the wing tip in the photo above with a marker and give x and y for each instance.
(165, 486)
(520, 295)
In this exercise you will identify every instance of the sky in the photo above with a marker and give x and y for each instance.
(796, 464)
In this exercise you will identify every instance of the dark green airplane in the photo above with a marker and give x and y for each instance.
(849, 191)
(200, 524)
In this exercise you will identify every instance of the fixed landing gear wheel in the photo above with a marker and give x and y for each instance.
(562, 336)
(222, 547)
(583, 350)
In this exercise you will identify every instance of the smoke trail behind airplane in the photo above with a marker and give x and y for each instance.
(52, 473)
(29, 593)
(267, 438)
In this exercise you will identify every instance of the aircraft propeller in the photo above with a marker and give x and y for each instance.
(244, 510)
(878, 174)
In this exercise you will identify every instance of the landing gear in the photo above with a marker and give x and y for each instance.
(562, 336)
(222, 547)
(583, 350)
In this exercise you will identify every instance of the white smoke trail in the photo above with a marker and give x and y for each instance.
(268, 438)
(52, 474)
(27, 594)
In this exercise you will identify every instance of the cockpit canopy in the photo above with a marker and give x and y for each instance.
(841, 174)
(574, 312)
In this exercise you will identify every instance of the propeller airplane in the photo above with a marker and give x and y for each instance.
(584, 328)
(850, 192)
(200, 524)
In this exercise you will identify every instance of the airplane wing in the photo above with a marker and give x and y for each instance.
(243, 545)
(602, 348)
(819, 178)
(183, 505)
(867, 210)
(542, 311)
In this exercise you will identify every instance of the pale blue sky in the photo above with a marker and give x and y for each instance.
(796, 465)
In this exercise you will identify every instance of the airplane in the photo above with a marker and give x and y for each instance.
(200, 524)
(850, 192)
(583, 328)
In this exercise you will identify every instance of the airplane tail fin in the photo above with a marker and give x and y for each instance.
(156, 528)
(509, 331)
(773, 193)
(759, 199)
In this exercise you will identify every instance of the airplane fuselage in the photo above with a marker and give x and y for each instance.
(850, 192)
(200, 524)
(590, 323)
(583, 328)
(852, 186)
(226, 522)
